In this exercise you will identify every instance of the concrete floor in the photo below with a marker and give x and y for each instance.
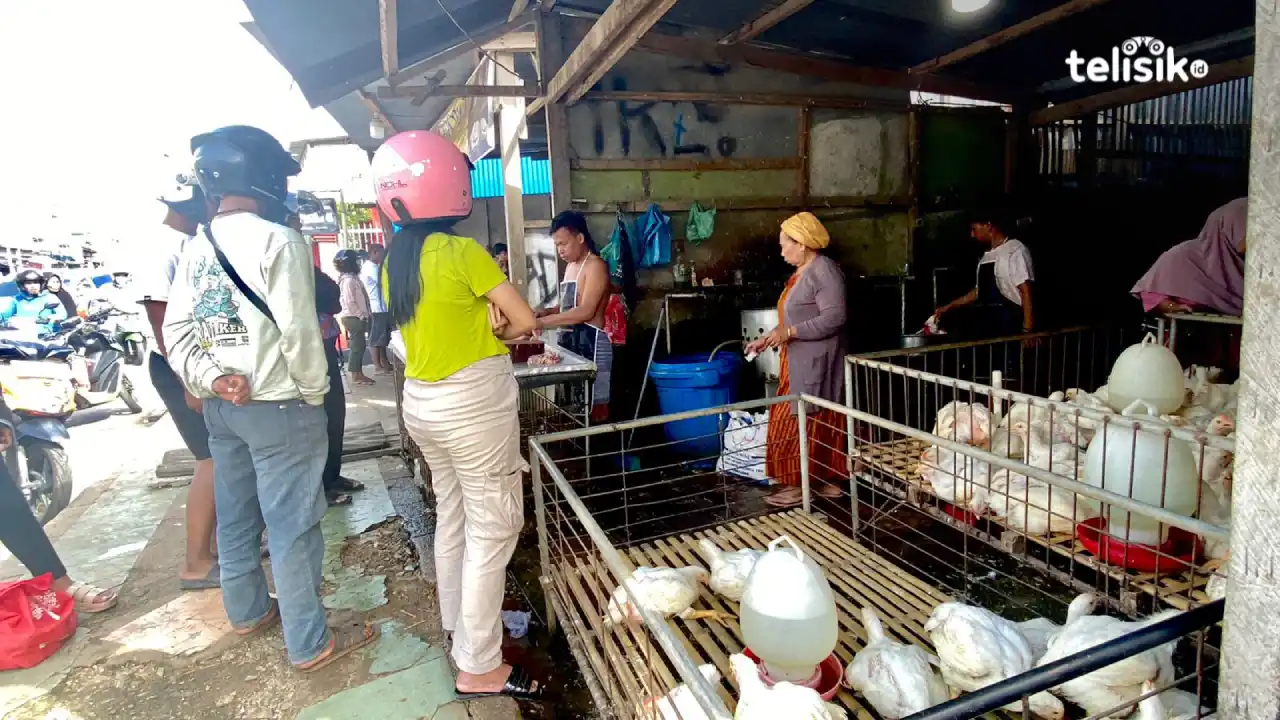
(163, 653)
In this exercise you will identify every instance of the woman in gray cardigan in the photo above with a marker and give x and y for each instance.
(810, 337)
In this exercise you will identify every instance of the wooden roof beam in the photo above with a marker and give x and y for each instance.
(1143, 91)
(456, 91)
(485, 35)
(376, 111)
(996, 39)
(819, 67)
(613, 34)
(766, 20)
(388, 33)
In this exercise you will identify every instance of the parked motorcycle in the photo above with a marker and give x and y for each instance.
(37, 385)
(105, 352)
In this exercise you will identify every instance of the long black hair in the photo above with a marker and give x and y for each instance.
(403, 263)
(575, 222)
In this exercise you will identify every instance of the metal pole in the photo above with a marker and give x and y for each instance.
(848, 436)
(804, 453)
(1251, 666)
(702, 691)
(644, 382)
(666, 316)
(544, 540)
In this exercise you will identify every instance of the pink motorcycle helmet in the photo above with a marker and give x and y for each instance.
(419, 175)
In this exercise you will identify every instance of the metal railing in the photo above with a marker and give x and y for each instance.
(648, 505)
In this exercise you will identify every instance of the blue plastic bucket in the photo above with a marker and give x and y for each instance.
(690, 382)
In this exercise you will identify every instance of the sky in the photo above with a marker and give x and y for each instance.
(102, 99)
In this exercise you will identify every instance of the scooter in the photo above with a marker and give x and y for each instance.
(37, 385)
(105, 354)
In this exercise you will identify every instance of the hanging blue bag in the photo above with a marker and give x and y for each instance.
(654, 229)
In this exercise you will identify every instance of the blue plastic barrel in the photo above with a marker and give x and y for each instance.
(691, 382)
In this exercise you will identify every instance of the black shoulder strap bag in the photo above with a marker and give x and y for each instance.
(244, 289)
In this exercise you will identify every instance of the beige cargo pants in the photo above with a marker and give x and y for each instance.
(468, 430)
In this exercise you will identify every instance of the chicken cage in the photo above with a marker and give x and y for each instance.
(1055, 518)
(650, 654)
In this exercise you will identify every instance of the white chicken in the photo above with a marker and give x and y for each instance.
(1031, 506)
(1204, 392)
(1172, 704)
(1094, 401)
(1216, 588)
(895, 678)
(680, 703)
(1060, 425)
(664, 591)
(1039, 631)
(1118, 683)
(729, 570)
(783, 701)
(978, 648)
(953, 476)
(968, 423)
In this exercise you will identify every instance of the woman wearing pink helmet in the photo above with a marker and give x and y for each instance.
(459, 394)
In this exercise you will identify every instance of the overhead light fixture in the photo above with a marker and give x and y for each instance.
(968, 6)
(376, 131)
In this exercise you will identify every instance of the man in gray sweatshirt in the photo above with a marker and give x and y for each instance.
(243, 334)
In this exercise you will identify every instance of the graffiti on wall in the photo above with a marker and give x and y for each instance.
(670, 129)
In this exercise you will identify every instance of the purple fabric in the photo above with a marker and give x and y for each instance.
(1208, 271)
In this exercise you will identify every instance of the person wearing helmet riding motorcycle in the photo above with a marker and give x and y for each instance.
(33, 301)
(243, 334)
(459, 394)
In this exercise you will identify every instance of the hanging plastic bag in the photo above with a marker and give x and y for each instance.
(654, 229)
(615, 319)
(702, 223)
(35, 620)
(745, 440)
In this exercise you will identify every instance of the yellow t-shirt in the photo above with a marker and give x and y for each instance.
(450, 329)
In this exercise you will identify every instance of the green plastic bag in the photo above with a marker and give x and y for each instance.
(702, 223)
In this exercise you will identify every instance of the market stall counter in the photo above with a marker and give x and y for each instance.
(555, 390)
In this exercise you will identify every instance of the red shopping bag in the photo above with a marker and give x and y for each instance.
(35, 620)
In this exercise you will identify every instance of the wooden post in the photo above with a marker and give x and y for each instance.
(1250, 682)
(1012, 132)
(550, 58)
(913, 181)
(511, 125)
(806, 120)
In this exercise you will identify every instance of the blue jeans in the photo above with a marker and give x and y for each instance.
(268, 458)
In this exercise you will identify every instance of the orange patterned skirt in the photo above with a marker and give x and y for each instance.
(826, 431)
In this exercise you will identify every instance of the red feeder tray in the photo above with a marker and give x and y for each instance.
(826, 681)
(959, 513)
(1177, 554)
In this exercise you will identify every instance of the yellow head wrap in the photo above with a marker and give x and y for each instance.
(807, 230)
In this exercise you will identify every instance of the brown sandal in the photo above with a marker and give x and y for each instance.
(263, 623)
(89, 598)
(343, 641)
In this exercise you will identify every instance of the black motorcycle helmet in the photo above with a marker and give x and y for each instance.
(28, 276)
(246, 161)
(347, 261)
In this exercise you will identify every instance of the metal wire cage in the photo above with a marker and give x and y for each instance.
(1040, 496)
(646, 506)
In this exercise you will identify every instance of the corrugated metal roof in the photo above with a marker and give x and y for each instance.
(535, 177)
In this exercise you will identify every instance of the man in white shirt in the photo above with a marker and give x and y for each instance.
(186, 208)
(1002, 294)
(380, 325)
(244, 336)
